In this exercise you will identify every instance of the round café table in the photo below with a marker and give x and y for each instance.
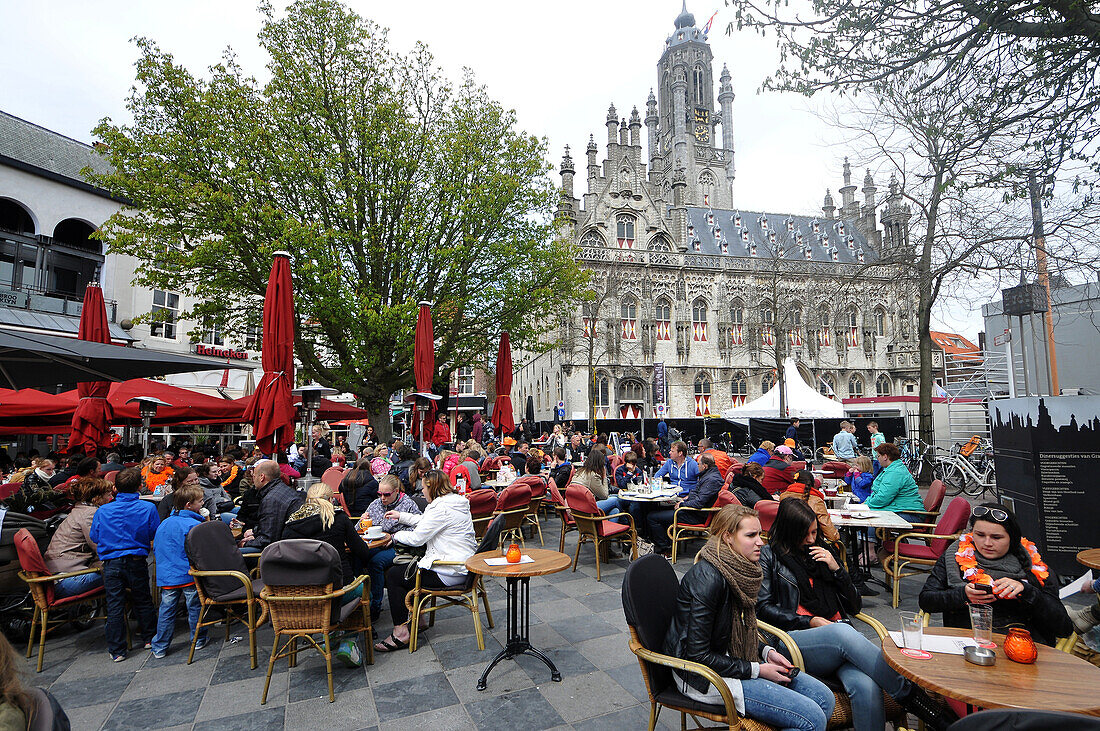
(519, 576)
(1057, 681)
(1090, 558)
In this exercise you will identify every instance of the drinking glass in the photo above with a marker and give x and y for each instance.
(912, 630)
(981, 621)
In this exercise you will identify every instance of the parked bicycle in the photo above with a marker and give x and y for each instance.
(970, 474)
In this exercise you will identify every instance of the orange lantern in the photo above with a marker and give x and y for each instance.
(1019, 647)
(514, 554)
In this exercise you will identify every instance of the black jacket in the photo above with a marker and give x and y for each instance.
(359, 492)
(703, 496)
(748, 490)
(561, 475)
(464, 430)
(401, 469)
(1038, 609)
(778, 601)
(700, 627)
(340, 535)
(277, 501)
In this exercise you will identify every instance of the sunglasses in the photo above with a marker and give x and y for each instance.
(386, 494)
(997, 514)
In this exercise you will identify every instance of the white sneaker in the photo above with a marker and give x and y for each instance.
(1083, 619)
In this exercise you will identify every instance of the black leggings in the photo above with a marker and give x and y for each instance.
(397, 586)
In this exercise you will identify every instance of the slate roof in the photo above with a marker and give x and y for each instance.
(52, 324)
(45, 150)
(740, 231)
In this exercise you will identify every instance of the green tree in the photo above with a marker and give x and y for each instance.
(387, 184)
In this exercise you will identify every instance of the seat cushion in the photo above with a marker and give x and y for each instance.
(672, 697)
(76, 598)
(346, 610)
(240, 594)
(915, 550)
(611, 528)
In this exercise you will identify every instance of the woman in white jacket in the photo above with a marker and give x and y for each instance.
(447, 531)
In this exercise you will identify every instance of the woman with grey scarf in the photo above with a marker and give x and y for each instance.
(994, 564)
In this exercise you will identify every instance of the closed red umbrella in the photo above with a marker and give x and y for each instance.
(503, 421)
(92, 418)
(271, 411)
(424, 364)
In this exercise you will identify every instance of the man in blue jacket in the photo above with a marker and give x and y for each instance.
(173, 565)
(681, 471)
(702, 495)
(122, 531)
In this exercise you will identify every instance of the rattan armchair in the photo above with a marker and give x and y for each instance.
(243, 605)
(596, 527)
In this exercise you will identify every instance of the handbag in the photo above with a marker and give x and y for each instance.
(408, 556)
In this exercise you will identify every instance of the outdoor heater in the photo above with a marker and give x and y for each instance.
(147, 408)
(311, 395)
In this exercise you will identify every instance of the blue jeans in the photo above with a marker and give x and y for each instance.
(804, 704)
(840, 650)
(120, 574)
(611, 506)
(380, 561)
(76, 585)
(228, 516)
(166, 623)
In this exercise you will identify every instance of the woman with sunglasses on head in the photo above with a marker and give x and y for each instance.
(806, 591)
(994, 564)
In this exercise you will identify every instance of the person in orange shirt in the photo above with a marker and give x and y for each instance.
(156, 474)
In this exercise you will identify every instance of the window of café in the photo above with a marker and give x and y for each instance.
(166, 308)
(466, 381)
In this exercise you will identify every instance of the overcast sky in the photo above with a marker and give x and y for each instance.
(65, 64)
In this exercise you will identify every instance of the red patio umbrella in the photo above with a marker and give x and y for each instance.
(92, 420)
(271, 411)
(424, 370)
(503, 421)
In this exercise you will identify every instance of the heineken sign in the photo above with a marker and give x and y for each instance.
(217, 352)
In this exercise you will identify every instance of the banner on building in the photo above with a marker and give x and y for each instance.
(658, 383)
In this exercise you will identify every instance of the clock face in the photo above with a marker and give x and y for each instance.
(702, 133)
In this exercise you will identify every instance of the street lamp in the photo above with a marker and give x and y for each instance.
(147, 409)
(311, 395)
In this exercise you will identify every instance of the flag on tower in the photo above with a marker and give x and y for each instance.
(706, 29)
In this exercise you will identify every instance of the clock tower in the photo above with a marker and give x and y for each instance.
(687, 119)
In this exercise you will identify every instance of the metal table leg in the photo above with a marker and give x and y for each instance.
(519, 630)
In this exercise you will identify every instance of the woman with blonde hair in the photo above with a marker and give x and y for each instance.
(321, 520)
(156, 475)
(17, 703)
(715, 624)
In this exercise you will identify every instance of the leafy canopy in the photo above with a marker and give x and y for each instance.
(387, 184)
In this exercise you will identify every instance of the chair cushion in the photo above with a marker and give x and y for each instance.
(76, 598)
(915, 550)
(694, 526)
(240, 593)
(515, 496)
(301, 562)
(673, 697)
(210, 547)
(580, 498)
(610, 528)
(482, 502)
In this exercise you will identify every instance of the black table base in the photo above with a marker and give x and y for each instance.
(861, 554)
(519, 630)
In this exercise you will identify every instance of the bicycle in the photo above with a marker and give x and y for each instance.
(966, 475)
(916, 455)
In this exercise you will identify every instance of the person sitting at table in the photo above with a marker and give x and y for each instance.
(215, 498)
(289, 473)
(894, 489)
(681, 471)
(1087, 617)
(359, 487)
(576, 451)
(390, 498)
(653, 458)
(278, 501)
(860, 477)
(803, 489)
(560, 469)
(994, 564)
(747, 487)
(779, 470)
(593, 475)
(319, 519)
(714, 624)
(762, 454)
(702, 495)
(628, 472)
(230, 475)
(806, 591)
(421, 466)
(722, 460)
(72, 548)
(519, 456)
(156, 475)
(447, 530)
(466, 469)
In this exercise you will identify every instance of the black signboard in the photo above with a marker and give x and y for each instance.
(1047, 455)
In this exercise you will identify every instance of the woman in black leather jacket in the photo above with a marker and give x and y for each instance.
(1022, 589)
(807, 593)
(746, 485)
(715, 624)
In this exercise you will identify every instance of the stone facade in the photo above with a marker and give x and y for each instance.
(717, 295)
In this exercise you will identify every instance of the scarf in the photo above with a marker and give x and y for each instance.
(1007, 565)
(817, 596)
(744, 578)
(308, 510)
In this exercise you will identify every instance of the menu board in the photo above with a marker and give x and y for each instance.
(1047, 455)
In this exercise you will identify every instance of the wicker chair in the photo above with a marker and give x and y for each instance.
(464, 595)
(679, 531)
(768, 510)
(513, 502)
(537, 483)
(299, 577)
(926, 554)
(483, 503)
(649, 599)
(593, 525)
(567, 522)
(223, 583)
(41, 584)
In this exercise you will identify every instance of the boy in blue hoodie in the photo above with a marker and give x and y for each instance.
(122, 531)
(172, 567)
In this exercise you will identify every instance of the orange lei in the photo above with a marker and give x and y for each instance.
(967, 559)
(232, 476)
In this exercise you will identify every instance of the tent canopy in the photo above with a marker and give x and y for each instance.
(802, 401)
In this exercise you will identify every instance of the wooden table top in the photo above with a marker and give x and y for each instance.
(546, 562)
(1090, 558)
(1057, 681)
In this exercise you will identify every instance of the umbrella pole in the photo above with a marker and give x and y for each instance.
(423, 409)
(309, 448)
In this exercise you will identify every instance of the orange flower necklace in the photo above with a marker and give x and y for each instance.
(232, 476)
(967, 559)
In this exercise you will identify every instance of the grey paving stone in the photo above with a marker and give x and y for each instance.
(91, 691)
(153, 679)
(403, 665)
(269, 719)
(540, 635)
(352, 710)
(607, 652)
(568, 661)
(580, 629)
(87, 717)
(452, 718)
(560, 609)
(394, 700)
(629, 676)
(604, 601)
(310, 680)
(629, 718)
(507, 677)
(456, 653)
(165, 710)
(545, 593)
(234, 667)
(583, 696)
(562, 576)
(582, 585)
(230, 699)
(524, 710)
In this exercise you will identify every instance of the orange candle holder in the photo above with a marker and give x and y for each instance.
(513, 554)
(1019, 647)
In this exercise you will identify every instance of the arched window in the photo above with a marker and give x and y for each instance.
(853, 318)
(826, 386)
(852, 334)
(702, 394)
(767, 382)
(603, 391)
(698, 84)
(855, 387)
(767, 314)
(882, 385)
(737, 322)
(707, 178)
(659, 243)
(624, 230)
(880, 321)
(662, 314)
(631, 399)
(538, 394)
(629, 318)
(794, 330)
(767, 331)
(591, 238)
(699, 320)
(739, 389)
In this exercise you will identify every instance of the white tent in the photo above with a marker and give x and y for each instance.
(802, 400)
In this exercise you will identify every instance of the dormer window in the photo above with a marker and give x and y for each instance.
(624, 231)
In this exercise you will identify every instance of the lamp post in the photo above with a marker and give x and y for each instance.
(147, 409)
(311, 395)
(423, 401)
